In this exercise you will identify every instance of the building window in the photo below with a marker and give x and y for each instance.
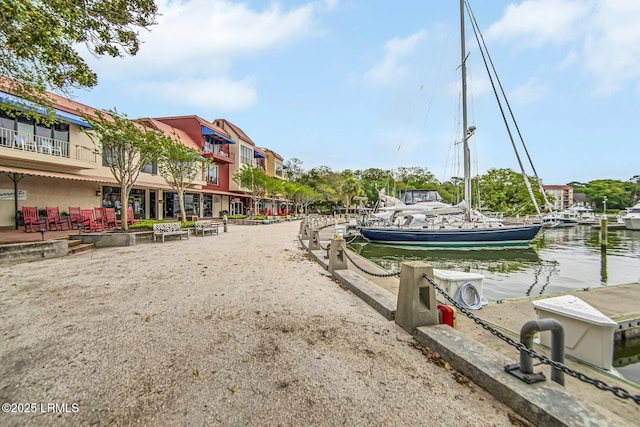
(151, 168)
(279, 169)
(61, 132)
(212, 175)
(246, 155)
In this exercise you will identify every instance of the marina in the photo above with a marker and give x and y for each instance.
(560, 261)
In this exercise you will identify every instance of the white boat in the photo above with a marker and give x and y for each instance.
(632, 218)
(585, 214)
(423, 223)
(564, 218)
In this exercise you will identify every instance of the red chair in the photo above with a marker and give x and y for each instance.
(130, 218)
(89, 222)
(75, 217)
(31, 218)
(100, 215)
(110, 219)
(54, 221)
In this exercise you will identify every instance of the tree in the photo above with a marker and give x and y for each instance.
(38, 41)
(504, 190)
(254, 179)
(301, 196)
(373, 180)
(294, 169)
(178, 164)
(126, 147)
(349, 189)
(619, 193)
(415, 178)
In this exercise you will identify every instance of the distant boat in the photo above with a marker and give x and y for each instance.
(585, 214)
(422, 224)
(632, 218)
(564, 218)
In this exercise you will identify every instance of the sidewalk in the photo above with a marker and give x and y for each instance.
(236, 329)
(11, 235)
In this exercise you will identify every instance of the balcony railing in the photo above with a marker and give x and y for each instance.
(9, 138)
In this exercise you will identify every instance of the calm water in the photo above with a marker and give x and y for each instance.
(559, 260)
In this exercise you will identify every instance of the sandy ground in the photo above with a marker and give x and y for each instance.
(236, 329)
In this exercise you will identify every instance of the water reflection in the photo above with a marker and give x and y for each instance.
(559, 260)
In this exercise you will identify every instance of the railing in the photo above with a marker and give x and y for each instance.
(36, 143)
(10, 138)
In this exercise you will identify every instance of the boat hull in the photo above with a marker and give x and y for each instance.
(452, 238)
(632, 223)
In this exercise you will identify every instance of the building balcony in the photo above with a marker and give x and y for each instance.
(39, 149)
(218, 154)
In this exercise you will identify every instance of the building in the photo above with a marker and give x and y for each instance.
(562, 195)
(60, 165)
(246, 151)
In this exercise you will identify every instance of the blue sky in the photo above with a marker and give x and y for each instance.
(356, 84)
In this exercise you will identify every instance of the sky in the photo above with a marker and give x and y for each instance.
(358, 84)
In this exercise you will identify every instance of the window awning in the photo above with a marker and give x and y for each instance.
(217, 135)
(259, 154)
(7, 98)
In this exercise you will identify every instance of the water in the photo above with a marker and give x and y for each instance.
(559, 260)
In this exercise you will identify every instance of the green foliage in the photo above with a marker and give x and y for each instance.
(415, 178)
(504, 190)
(294, 169)
(127, 147)
(38, 40)
(619, 193)
(373, 180)
(178, 163)
(349, 189)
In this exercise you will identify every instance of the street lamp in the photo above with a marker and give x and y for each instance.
(605, 206)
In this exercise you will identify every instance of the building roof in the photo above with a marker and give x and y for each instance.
(200, 120)
(243, 136)
(557, 187)
(169, 131)
(276, 155)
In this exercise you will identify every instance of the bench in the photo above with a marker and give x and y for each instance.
(206, 225)
(168, 229)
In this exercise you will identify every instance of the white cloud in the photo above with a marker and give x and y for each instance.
(602, 37)
(612, 48)
(391, 69)
(197, 41)
(204, 36)
(211, 93)
(533, 23)
(528, 93)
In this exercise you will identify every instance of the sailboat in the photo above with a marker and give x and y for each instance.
(467, 233)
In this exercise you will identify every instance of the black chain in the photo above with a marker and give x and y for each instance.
(397, 273)
(617, 391)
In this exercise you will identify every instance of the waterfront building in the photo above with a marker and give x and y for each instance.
(59, 165)
(562, 195)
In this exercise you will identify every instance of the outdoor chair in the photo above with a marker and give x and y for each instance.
(110, 219)
(130, 217)
(100, 215)
(23, 143)
(75, 216)
(51, 149)
(89, 222)
(53, 221)
(31, 218)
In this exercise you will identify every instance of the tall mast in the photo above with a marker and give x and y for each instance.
(465, 130)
